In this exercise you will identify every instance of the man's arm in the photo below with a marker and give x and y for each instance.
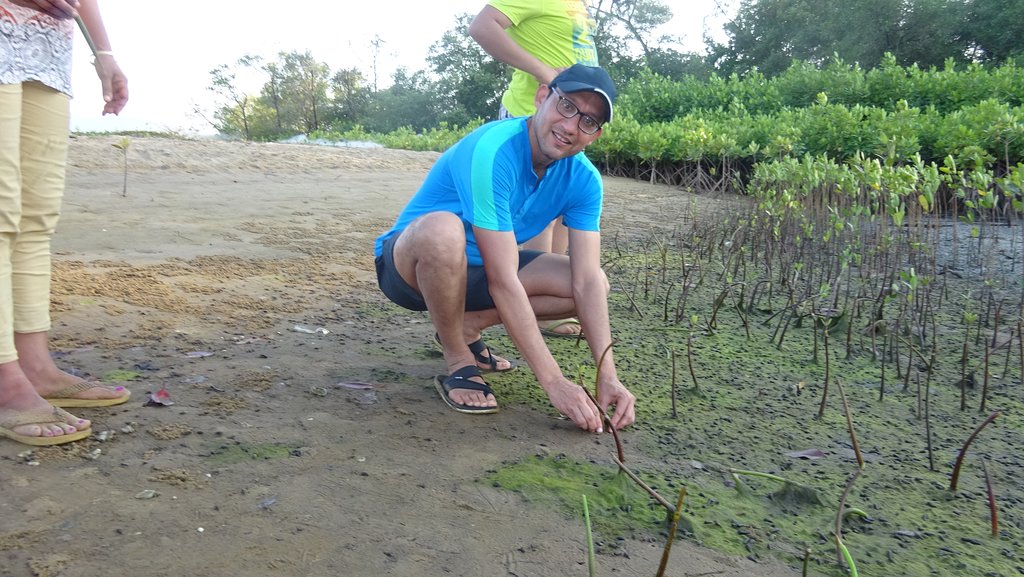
(590, 292)
(501, 264)
(488, 29)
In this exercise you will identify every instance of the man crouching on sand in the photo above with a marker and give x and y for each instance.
(454, 249)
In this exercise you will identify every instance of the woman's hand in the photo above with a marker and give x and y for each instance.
(114, 82)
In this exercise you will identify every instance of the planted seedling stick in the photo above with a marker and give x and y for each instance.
(654, 494)
(608, 423)
(839, 523)
(591, 558)
(963, 450)
(689, 360)
(671, 534)
(849, 424)
(988, 355)
(593, 398)
(675, 415)
(991, 500)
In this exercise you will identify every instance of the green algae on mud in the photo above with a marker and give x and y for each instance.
(755, 407)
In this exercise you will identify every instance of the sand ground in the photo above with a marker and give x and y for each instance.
(209, 277)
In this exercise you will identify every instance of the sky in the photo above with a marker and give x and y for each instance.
(167, 49)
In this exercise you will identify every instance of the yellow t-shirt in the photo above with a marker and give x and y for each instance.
(559, 33)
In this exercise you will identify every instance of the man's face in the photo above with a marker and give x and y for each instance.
(554, 136)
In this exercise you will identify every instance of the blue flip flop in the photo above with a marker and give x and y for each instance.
(478, 348)
(460, 380)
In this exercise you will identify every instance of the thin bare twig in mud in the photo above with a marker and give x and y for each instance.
(849, 424)
(988, 356)
(824, 397)
(881, 382)
(963, 450)
(631, 301)
(654, 494)
(671, 534)
(993, 509)
(1009, 352)
(928, 402)
(840, 514)
(675, 415)
(689, 361)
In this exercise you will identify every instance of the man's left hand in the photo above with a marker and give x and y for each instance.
(613, 393)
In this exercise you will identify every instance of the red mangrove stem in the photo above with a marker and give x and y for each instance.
(991, 500)
(668, 506)
(671, 534)
(608, 424)
(849, 424)
(963, 450)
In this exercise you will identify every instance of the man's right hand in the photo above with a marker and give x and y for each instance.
(572, 401)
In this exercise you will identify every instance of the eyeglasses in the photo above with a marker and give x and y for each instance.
(565, 107)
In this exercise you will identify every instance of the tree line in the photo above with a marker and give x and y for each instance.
(462, 84)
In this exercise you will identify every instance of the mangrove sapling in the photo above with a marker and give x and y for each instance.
(632, 302)
(671, 534)
(689, 356)
(969, 318)
(675, 415)
(1009, 352)
(849, 424)
(988, 355)
(123, 145)
(881, 382)
(992, 507)
(591, 557)
(963, 450)
(840, 515)
(606, 419)
(824, 389)
(654, 494)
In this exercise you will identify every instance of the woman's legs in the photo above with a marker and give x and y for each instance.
(18, 396)
(44, 145)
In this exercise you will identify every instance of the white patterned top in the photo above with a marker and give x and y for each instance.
(35, 46)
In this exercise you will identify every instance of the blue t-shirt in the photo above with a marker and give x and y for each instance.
(487, 179)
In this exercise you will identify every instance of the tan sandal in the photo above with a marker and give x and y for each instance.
(66, 396)
(9, 420)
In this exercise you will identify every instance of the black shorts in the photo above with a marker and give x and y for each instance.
(478, 297)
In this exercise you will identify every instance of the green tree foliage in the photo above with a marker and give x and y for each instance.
(626, 42)
(996, 29)
(237, 116)
(411, 101)
(305, 80)
(469, 82)
(351, 98)
(768, 35)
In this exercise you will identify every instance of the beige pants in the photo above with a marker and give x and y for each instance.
(33, 153)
